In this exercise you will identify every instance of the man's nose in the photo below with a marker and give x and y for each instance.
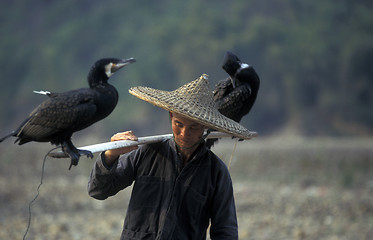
(184, 132)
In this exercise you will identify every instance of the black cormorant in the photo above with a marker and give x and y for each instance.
(235, 96)
(57, 118)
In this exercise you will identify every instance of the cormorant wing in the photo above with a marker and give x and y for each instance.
(70, 111)
(230, 101)
(222, 88)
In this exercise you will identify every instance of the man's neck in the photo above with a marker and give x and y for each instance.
(187, 154)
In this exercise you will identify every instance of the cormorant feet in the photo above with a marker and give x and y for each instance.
(74, 153)
(74, 156)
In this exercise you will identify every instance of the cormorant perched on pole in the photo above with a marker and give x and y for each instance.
(57, 118)
(235, 96)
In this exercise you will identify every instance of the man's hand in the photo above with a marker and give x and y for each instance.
(111, 155)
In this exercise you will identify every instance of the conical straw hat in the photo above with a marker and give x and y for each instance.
(195, 101)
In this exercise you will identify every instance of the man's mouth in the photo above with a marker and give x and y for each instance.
(185, 142)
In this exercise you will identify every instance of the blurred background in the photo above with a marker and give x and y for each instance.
(314, 111)
(315, 59)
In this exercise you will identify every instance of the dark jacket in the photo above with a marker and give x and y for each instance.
(170, 201)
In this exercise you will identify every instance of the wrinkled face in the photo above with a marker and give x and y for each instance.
(187, 133)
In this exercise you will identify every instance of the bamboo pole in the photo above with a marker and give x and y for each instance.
(128, 143)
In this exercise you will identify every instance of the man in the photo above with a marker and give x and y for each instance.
(180, 186)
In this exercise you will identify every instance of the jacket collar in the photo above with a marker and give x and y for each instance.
(200, 151)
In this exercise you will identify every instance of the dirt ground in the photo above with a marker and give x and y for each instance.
(290, 188)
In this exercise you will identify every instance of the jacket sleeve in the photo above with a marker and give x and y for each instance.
(105, 182)
(223, 212)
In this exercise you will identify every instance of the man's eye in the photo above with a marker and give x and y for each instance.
(194, 128)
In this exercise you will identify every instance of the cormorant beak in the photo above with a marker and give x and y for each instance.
(116, 66)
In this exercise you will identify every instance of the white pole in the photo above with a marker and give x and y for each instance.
(128, 143)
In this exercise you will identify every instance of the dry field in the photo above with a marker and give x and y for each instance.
(291, 188)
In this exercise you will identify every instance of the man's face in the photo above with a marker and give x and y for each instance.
(187, 133)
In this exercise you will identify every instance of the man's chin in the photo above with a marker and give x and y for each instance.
(185, 145)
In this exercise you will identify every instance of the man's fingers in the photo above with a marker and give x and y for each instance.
(128, 135)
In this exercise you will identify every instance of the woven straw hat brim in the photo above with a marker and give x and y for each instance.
(195, 101)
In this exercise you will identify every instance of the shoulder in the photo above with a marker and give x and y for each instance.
(217, 165)
(215, 159)
(157, 146)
